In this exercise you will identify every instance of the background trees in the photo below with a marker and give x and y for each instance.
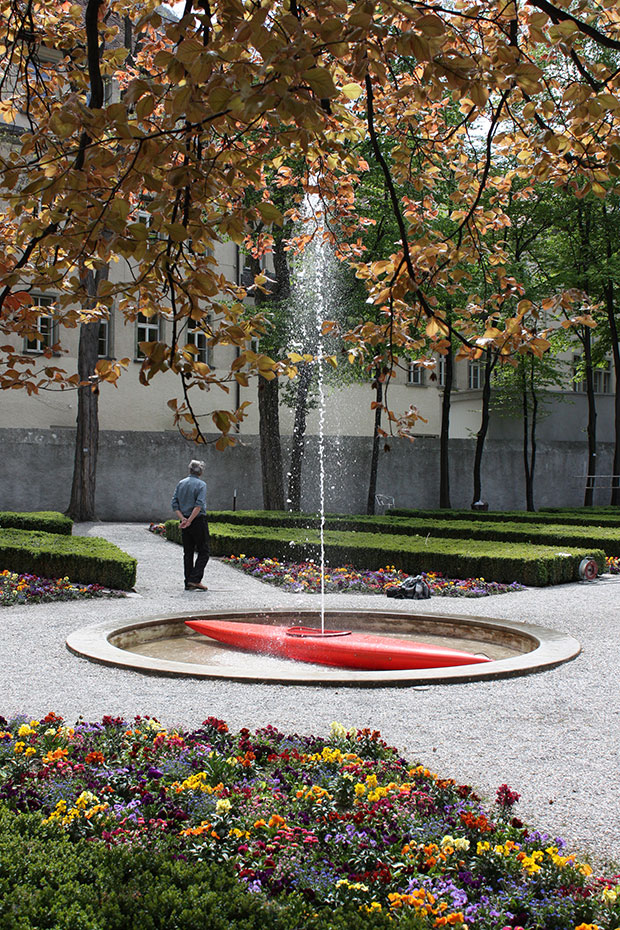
(214, 106)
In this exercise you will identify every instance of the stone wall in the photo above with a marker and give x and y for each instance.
(137, 472)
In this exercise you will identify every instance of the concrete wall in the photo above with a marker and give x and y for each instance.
(137, 473)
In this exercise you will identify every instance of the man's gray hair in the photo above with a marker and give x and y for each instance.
(196, 467)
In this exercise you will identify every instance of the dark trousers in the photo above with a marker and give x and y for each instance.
(195, 542)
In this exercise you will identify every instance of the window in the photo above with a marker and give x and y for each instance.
(104, 349)
(46, 328)
(441, 371)
(144, 217)
(245, 272)
(147, 330)
(579, 384)
(475, 376)
(415, 374)
(197, 337)
(601, 377)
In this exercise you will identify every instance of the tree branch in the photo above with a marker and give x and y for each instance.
(558, 15)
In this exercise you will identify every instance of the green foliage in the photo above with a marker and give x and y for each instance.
(586, 517)
(50, 521)
(49, 882)
(544, 529)
(528, 564)
(81, 558)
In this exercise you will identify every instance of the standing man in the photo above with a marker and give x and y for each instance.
(189, 502)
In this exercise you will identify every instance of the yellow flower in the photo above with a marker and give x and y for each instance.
(223, 806)
(19, 747)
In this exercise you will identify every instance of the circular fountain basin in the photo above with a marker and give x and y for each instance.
(166, 646)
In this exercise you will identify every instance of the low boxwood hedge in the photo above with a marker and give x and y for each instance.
(585, 517)
(551, 533)
(50, 521)
(88, 559)
(528, 564)
(51, 882)
(546, 534)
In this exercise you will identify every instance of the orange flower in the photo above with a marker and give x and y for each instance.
(55, 756)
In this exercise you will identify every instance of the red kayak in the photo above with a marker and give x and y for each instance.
(333, 647)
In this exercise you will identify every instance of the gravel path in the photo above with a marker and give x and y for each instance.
(553, 736)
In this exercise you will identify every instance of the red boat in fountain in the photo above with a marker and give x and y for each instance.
(333, 647)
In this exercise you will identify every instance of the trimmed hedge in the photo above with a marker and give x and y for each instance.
(577, 517)
(88, 559)
(534, 565)
(586, 517)
(50, 521)
(51, 882)
(551, 533)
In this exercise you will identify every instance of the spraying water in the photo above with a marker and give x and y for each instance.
(312, 284)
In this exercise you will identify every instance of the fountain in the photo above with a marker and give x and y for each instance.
(164, 645)
(376, 648)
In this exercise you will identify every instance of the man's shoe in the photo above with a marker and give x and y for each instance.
(196, 586)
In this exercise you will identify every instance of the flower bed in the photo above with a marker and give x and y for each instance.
(30, 589)
(306, 577)
(345, 823)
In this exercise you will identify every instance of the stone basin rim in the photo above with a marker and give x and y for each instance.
(547, 648)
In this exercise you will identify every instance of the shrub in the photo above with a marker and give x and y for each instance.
(588, 516)
(500, 561)
(81, 558)
(49, 521)
(130, 826)
(547, 534)
(50, 882)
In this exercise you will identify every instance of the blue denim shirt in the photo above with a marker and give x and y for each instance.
(189, 493)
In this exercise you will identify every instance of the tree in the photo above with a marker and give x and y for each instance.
(209, 101)
(521, 391)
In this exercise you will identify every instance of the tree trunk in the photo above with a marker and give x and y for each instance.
(482, 432)
(615, 348)
(270, 446)
(529, 436)
(268, 395)
(299, 438)
(376, 439)
(444, 445)
(82, 503)
(588, 499)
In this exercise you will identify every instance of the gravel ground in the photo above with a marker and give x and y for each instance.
(553, 736)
